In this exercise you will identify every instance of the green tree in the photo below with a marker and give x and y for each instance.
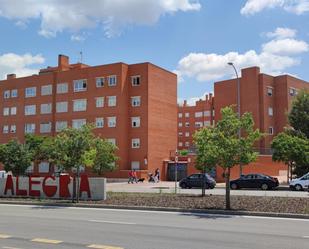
(15, 157)
(39, 147)
(299, 114)
(105, 158)
(293, 150)
(72, 150)
(207, 151)
(232, 149)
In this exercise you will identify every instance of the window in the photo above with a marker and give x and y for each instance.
(198, 114)
(180, 134)
(136, 101)
(13, 110)
(45, 127)
(179, 115)
(14, 93)
(136, 121)
(99, 102)
(135, 143)
(112, 80)
(13, 129)
(46, 108)
(270, 111)
(79, 105)
(187, 144)
(187, 134)
(44, 167)
(6, 94)
(135, 165)
(78, 123)
(99, 122)
(213, 113)
(62, 88)
(187, 114)
(30, 92)
(136, 80)
(61, 107)
(61, 125)
(206, 113)
(293, 91)
(80, 85)
(46, 90)
(206, 123)
(180, 144)
(269, 91)
(29, 128)
(30, 110)
(111, 100)
(198, 124)
(99, 82)
(111, 121)
(5, 129)
(270, 130)
(6, 111)
(179, 124)
(112, 141)
(187, 124)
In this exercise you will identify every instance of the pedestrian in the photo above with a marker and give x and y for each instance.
(157, 175)
(131, 177)
(135, 176)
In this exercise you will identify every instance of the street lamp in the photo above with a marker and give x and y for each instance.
(176, 161)
(238, 104)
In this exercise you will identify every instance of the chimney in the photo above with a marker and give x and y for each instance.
(206, 97)
(63, 62)
(10, 76)
(185, 103)
(210, 96)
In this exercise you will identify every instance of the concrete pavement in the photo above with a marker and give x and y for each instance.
(169, 187)
(28, 227)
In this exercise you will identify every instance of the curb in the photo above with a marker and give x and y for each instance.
(220, 212)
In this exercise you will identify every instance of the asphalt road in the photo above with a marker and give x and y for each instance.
(31, 227)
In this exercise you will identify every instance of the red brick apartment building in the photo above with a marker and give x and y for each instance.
(267, 97)
(133, 106)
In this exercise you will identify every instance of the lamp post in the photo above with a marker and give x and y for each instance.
(238, 104)
(176, 161)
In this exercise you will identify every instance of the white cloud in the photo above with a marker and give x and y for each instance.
(74, 15)
(281, 33)
(298, 7)
(285, 47)
(19, 64)
(275, 56)
(78, 38)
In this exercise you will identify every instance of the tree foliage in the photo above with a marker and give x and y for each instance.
(15, 157)
(299, 114)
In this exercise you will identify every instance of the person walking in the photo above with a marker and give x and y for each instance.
(131, 177)
(157, 175)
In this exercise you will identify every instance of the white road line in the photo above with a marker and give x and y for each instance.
(8, 247)
(169, 212)
(113, 222)
(306, 237)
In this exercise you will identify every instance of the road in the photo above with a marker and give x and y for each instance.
(169, 187)
(33, 227)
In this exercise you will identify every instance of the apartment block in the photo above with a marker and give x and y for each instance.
(133, 106)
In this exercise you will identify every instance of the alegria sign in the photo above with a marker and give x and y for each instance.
(52, 187)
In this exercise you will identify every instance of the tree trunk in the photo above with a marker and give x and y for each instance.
(77, 188)
(203, 183)
(74, 188)
(227, 189)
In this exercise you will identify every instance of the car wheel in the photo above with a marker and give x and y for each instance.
(234, 186)
(298, 187)
(264, 186)
(183, 185)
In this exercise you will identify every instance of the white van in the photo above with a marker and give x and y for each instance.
(300, 183)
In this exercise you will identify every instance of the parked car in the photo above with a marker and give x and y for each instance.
(261, 181)
(196, 181)
(300, 183)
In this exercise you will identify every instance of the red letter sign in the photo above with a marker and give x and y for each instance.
(9, 185)
(31, 191)
(84, 185)
(49, 190)
(64, 186)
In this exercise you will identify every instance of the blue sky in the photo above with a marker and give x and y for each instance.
(193, 38)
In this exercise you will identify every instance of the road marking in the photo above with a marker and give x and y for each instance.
(4, 236)
(103, 247)
(47, 241)
(306, 237)
(8, 247)
(113, 222)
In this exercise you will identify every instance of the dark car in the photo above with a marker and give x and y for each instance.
(261, 181)
(196, 181)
